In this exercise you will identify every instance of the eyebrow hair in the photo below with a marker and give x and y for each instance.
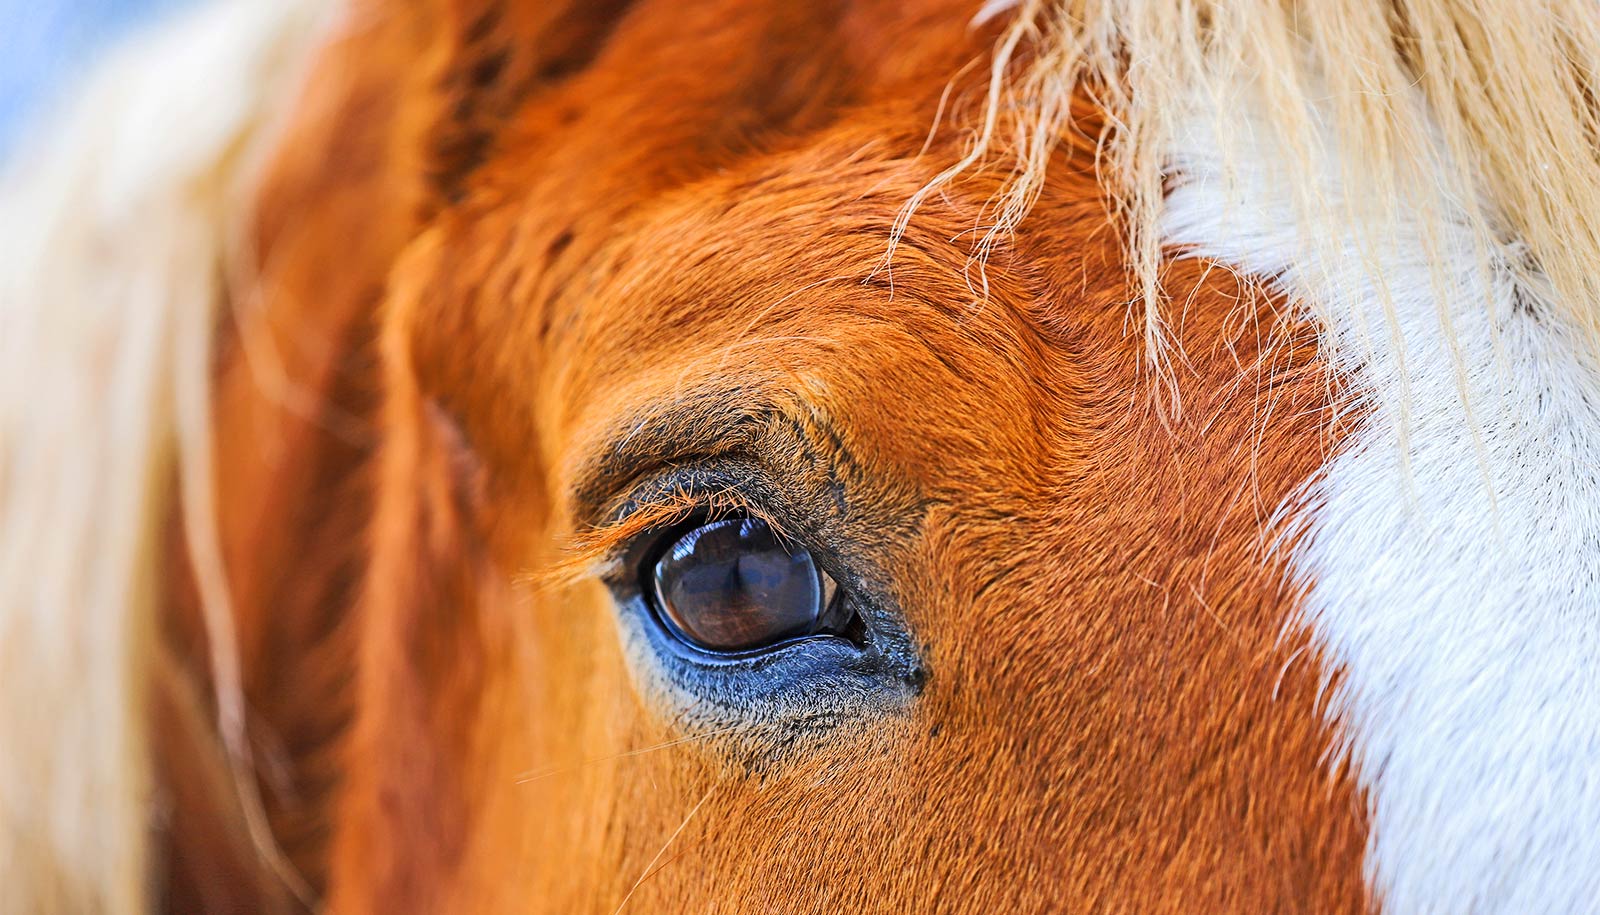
(703, 424)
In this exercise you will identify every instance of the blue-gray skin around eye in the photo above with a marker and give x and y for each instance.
(755, 705)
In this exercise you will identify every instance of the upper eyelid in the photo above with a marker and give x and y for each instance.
(669, 496)
(598, 545)
(700, 426)
(640, 512)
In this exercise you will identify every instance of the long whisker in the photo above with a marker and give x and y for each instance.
(649, 868)
(532, 776)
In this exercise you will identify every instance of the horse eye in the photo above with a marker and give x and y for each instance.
(732, 586)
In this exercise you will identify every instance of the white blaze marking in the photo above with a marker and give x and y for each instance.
(1468, 626)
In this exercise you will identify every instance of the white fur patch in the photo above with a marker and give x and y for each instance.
(1467, 625)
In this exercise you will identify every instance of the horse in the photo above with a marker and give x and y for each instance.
(862, 455)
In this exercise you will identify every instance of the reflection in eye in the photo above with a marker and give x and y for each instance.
(732, 586)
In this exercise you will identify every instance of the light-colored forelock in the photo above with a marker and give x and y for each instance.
(1479, 110)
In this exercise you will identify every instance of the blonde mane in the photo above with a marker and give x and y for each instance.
(116, 224)
(1475, 114)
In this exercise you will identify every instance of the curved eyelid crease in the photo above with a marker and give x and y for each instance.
(704, 425)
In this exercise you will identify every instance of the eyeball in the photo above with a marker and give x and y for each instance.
(733, 586)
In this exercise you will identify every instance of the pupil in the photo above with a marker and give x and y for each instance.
(731, 586)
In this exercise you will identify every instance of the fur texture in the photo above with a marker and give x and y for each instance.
(694, 217)
(1453, 546)
(1316, 641)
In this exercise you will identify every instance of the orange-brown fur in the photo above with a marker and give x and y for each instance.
(500, 232)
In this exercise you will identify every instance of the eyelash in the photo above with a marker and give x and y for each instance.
(676, 499)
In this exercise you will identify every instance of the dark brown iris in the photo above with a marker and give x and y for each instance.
(733, 586)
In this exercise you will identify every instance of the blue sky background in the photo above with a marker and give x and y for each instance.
(46, 44)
